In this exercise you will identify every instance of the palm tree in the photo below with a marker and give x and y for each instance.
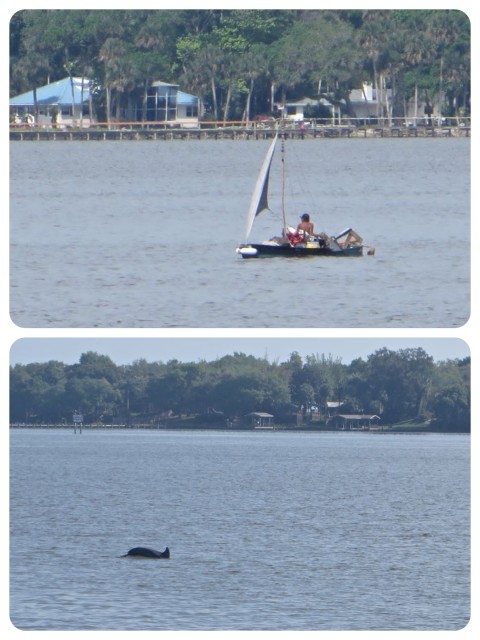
(118, 75)
(416, 51)
(287, 65)
(229, 73)
(374, 39)
(32, 71)
(209, 59)
(443, 29)
(252, 64)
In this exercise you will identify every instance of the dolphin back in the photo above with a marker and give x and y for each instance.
(146, 552)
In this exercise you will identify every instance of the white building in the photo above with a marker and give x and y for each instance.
(64, 102)
(365, 103)
(368, 102)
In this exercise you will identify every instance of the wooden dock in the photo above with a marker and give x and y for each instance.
(86, 427)
(152, 133)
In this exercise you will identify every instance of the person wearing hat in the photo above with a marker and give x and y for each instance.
(305, 227)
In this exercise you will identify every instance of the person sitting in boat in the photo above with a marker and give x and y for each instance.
(305, 226)
(305, 229)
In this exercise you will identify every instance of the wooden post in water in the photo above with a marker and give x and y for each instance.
(77, 421)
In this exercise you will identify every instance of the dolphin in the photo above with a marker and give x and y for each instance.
(146, 552)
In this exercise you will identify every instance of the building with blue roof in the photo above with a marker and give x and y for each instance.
(68, 102)
(165, 102)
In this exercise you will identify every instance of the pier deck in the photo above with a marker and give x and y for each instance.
(146, 132)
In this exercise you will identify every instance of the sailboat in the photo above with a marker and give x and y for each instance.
(291, 242)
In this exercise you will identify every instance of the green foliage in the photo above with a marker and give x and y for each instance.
(228, 56)
(399, 386)
(93, 397)
(451, 398)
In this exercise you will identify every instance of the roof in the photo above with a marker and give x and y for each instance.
(260, 414)
(303, 102)
(57, 93)
(182, 97)
(186, 98)
(159, 83)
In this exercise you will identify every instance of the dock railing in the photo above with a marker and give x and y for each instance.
(216, 129)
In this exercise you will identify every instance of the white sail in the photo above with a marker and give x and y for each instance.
(259, 201)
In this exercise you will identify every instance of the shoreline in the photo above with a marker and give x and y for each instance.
(151, 133)
(398, 430)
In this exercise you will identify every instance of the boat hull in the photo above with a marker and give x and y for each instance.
(298, 251)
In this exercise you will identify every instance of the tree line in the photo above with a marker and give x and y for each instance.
(398, 386)
(240, 62)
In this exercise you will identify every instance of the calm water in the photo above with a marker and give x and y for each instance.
(266, 530)
(143, 234)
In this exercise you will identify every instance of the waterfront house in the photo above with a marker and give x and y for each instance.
(68, 102)
(364, 103)
(166, 103)
(369, 102)
(295, 111)
(65, 102)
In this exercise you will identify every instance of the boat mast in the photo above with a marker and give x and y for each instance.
(283, 180)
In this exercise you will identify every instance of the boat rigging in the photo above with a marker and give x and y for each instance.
(292, 242)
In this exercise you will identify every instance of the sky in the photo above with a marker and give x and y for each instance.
(192, 349)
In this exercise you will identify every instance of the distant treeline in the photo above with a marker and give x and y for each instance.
(240, 62)
(398, 386)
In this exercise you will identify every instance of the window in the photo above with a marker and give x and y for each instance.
(161, 103)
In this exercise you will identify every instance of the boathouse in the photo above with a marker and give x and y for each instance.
(355, 422)
(333, 407)
(260, 420)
